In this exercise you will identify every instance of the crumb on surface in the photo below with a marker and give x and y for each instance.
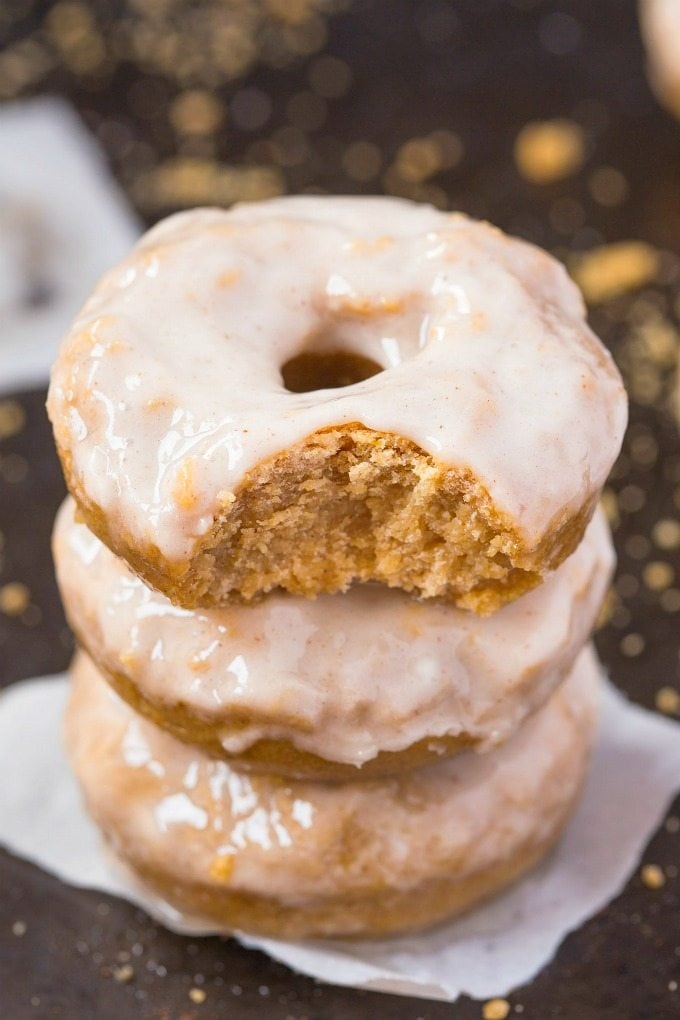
(495, 1009)
(666, 534)
(632, 645)
(652, 876)
(658, 575)
(667, 700)
(196, 112)
(14, 598)
(614, 269)
(608, 186)
(12, 418)
(549, 150)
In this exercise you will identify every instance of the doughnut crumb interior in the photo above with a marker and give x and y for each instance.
(351, 504)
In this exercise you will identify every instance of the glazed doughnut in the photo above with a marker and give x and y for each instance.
(660, 21)
(221, 427)
(369, 680)
(301, 859)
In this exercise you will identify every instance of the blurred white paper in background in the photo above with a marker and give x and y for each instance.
(63, 222)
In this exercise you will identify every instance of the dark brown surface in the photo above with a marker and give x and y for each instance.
(481, 68)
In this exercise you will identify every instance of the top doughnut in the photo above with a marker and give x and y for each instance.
(309, 391)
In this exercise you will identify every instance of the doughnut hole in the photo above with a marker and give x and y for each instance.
(327, 370)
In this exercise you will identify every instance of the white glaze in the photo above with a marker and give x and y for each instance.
(342, 676)
(168, 387)
(183, 812)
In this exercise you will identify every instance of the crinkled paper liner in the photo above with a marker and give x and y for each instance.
(490, 951)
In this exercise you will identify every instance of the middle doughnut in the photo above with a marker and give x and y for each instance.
(370, 680)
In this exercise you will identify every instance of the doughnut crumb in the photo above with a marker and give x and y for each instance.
(496, 1009)
(351, 504)
(547, 151)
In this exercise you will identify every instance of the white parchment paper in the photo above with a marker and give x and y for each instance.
(635, 771)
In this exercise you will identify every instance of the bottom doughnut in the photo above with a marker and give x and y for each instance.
(303, 859)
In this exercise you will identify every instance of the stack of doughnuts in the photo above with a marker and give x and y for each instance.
(332, 556)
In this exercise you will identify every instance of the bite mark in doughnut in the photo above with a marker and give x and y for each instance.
(466, 469)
